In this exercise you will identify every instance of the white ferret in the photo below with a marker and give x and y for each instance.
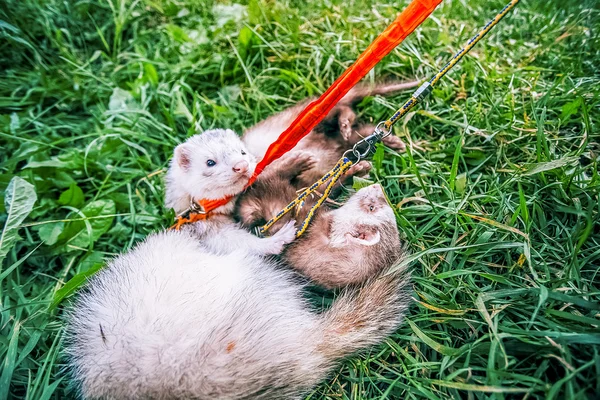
(211, 166)
(171, 320)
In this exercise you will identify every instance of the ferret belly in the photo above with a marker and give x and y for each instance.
(169, 316)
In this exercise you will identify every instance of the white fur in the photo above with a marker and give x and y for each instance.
(180, 322)
(172, 319)
(199, 181)
(189, 177)
(259, 137)
(351, 215)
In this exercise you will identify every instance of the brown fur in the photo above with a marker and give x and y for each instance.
(278, 185)
(348, 327)
(354, 260)
(340, 266)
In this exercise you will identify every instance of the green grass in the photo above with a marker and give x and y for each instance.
(498, 194)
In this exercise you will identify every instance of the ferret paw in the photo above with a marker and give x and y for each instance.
(285, 235)
(361, 168)
(394, 143)
(345, 128)
(302, 160)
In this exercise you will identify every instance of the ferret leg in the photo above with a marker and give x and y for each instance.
(293, 164)
(346, 119)
(234, 238)
(274, 244)
(361, 168)
(394, 142)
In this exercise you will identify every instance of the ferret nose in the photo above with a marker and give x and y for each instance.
(241, 167)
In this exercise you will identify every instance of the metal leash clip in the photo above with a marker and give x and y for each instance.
(194, 208)
(258, 231)
(367, 146)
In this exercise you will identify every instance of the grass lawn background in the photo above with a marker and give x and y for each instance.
(497, 195)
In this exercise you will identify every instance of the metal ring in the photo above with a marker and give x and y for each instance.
(381, 130)
(366, 152)
(354, 152)
(197, 208)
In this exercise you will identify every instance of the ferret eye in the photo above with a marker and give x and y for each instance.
(211, 163)
(243, 153)
(371, 208)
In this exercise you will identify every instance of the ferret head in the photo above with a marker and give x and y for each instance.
(353, 243)
(212, 165)
(363, 220)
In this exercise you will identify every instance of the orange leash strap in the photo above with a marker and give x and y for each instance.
(404, 25)
(408, 20)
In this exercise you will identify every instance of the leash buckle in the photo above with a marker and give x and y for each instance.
(423, 91)
(194, 208)
(381, 130)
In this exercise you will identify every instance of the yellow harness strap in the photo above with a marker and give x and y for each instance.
(332, 176)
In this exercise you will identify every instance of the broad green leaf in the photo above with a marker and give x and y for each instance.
(50, 232)
(378, 156)
(245, 38)
(570, 108)
(178, 34)
(150, 74)
(91, 260)
(359, 183)
(72, 196)
(18, 200)
(461, 183)
(93, 221)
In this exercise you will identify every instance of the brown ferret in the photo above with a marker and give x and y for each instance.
(279, 184)
(338, 131)
(349, 241)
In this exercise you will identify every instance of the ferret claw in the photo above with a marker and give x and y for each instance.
(394, 142)
(285, 235)
(302, 160)
(361, 168)
(345, 128)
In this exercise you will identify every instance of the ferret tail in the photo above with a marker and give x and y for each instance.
(364, 316)
(359, 92)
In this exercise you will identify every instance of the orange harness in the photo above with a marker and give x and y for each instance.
(408, 20)
(199, 211)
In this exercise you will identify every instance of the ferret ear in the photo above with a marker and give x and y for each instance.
(365, 235)
(182, 156)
